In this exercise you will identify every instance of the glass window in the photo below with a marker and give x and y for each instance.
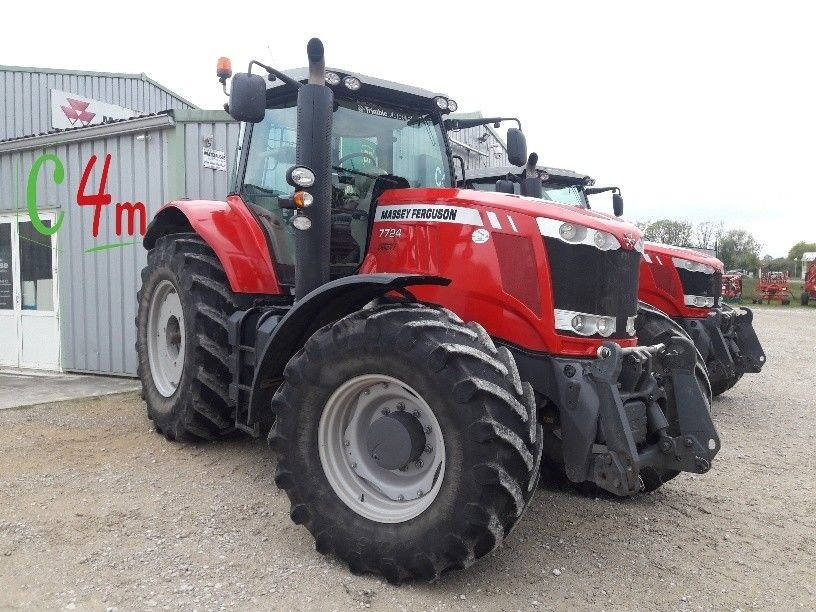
(6, 274)
(36, 269)
(368, 141)
(571, 195)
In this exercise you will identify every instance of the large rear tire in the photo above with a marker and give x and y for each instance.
(181, 341)
(473, 472)
(654, 327)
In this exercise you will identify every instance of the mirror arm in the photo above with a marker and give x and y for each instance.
(594, 190)
(276, 73)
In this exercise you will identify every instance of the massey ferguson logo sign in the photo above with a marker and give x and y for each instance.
(629, 240)
(69, 110)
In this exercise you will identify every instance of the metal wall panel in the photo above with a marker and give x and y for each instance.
(97, 290)
(491, 151)
(201, 182)
(25, 102)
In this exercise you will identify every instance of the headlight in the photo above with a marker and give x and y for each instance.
(300, 176)
(352, 83)
(585, 324)
(441, 102)
(692, 266)
(452, 106)
(574, 233)
(332, 78)
(630, 326)
(699, 301)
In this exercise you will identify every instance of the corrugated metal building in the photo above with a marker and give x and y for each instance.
(67, 298)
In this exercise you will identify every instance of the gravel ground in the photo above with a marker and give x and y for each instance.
(97, 511)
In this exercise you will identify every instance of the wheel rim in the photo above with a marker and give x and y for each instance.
(376, 493)
(165, 338)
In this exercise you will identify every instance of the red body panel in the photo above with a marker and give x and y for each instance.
(477, 291)
(660, 283)
(810, 280)
(237, 239)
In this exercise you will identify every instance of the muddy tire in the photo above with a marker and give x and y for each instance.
(181, 341)
(654, 327)
(482, 441)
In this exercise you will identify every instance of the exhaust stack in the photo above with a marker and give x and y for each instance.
(315, 103)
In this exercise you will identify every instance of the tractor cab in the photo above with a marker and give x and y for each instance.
(383, 136)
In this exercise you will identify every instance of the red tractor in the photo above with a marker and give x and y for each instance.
(809, 290)
(732, 287)
(415, 348)
(681, 283)
(773, 286)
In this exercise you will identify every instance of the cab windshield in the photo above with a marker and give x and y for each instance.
(554, 192)
(368, 141)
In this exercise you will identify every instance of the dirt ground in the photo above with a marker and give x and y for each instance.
(97, 511)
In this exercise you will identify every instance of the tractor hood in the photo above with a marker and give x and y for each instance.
(655, 248)
(629, 236)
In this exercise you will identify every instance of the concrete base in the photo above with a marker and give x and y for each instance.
(28, 387)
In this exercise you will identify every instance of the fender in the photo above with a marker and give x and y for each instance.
(324, 305)
(230, 229)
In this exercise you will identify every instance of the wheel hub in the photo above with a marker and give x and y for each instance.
(395, 440)
(381, 448)
(165, 338)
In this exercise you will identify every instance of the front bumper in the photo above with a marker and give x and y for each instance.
(614, 412)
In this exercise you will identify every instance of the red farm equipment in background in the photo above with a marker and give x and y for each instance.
(773, 286)
(809, 290)
(732, 287)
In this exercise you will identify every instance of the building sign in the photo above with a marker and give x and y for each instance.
(70, 110)
(217, 160)
(6, 282)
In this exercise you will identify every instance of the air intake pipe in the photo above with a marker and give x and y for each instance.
(531, 182)
(315, 103)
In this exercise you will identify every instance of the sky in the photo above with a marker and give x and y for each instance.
(702, 111)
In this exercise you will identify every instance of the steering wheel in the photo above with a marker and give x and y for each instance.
(356, 154)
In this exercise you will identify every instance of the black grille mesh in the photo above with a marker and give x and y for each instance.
(700, 283)
(586, 279)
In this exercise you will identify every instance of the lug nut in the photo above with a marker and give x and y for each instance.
(418, 463)
(688, 442)
(428, 448)
(427, 429)
(353, 466)
(366, 391)
(420, 493)
(400, 406)
(416, 414)
(385, 411)
(346, 443)
(401, 498)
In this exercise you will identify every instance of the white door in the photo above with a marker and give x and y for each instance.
(29, 305)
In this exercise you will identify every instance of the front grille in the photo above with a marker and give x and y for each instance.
(518, 269)
(588, 280)
(700, 283)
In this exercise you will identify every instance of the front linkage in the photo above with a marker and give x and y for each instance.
(728, 342)
(617, 424)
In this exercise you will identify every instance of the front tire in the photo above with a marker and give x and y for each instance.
(181, 341)
(481, 441)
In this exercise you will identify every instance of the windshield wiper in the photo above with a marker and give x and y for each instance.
(383, 177)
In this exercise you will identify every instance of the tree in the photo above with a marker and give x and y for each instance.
(707, 233)
(801, 247)
(667, 231)
(738, 249)
(780, 264)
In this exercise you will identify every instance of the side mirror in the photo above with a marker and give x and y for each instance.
(516, 147)
(504, 186)
(248, 97)
(617, 204)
